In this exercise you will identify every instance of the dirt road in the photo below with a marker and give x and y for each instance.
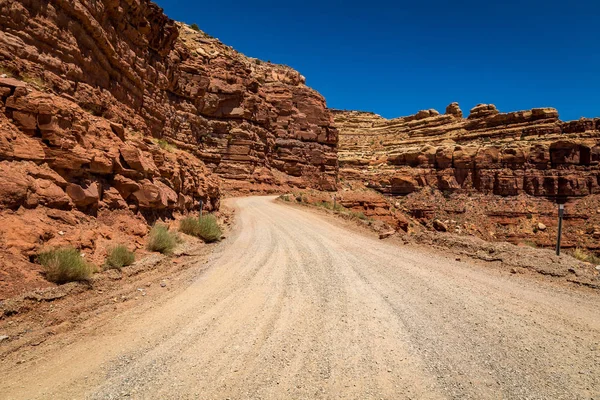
(296, 306)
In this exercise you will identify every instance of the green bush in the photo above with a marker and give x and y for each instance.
(119, 257)
(161, 239)
(189, 226)
(209, 228)
(65, 265)
(195, 27)
(204, 227)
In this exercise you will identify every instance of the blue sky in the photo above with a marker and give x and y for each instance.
(396, 58)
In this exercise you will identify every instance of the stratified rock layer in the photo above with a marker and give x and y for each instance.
(112, 115)
(505, 154)
(250, 122)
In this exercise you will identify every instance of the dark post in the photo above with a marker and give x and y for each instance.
(201, 206)
(561, 212)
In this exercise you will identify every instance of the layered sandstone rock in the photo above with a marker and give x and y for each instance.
(57, 155)
(505, 154)
(111, 111)
(249, 121)
(70, 178)
(493, 175)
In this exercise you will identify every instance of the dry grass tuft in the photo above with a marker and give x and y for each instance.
(65, 265)
(161, 239)
(119, 257)
(585, 256)
(204, 227)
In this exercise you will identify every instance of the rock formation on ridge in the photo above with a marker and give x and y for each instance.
(504, 154)
(494, 175)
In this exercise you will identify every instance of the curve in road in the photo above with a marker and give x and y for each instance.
(295, 305)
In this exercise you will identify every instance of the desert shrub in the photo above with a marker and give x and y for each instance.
(6, 71)
(530, 243)
(204, 227)
(358, 215)
(209, 228)
(324, 204)
(119, 257)
(285, 197)
(161, 239)
(338, 207)
(35, 81)
(165, 145)
(195, 27)
(586, 256)
(65, 265)
(189, 226)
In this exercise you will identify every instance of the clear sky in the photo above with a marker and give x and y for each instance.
(396, 58)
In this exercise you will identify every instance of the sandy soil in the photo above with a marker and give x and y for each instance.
(295, 305)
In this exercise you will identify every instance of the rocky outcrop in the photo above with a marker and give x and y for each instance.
(492, 175)
(249, 121)
(71, 178)
(111, 112)
(57, 155)
(505, 154)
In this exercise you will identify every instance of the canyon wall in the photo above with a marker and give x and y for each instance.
(493, 175)
(505, 154)
(250, 122)
(112, 116)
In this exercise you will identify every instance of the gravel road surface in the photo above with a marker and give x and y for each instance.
(295, 305)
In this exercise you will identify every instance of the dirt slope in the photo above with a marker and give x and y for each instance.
(295, 306)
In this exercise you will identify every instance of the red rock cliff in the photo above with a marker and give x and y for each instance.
(505, 154)
(112, 115)
(249, 121)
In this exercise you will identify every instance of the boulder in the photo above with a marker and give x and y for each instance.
(439, 226)
(83, 197)
(112, 199)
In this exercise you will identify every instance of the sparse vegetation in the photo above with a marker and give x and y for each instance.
(585, 256)
(161, 239)
(6, 71)
(530, 243)
(165, 145)
(119, 257)
(358, 215)
(204, 227)
(195, 27)
(65, 265)
(324, 204)
(35, 81)
(285, 197)
(331, 206)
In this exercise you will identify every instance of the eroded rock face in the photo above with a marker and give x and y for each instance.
(125, 61)
(66, 176)
(109, 109)
(66, 158)
(506, 154)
